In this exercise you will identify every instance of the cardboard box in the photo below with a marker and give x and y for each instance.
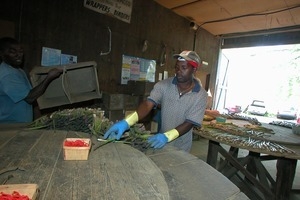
(128, 112)
(154, 127)
(114, 115)
(76, 153)
(113, 101)
(131, 102)
(78, 83)
(120, 101)
(31, 190)
(139, 87)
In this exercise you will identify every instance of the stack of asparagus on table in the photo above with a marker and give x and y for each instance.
(91, 121)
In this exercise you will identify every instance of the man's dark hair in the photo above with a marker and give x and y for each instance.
(5, 42)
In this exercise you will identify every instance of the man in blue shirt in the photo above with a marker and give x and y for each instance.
(16, 92)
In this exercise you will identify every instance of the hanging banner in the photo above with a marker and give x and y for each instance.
(120, 9)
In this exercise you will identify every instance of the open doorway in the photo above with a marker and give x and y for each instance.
(267, 73)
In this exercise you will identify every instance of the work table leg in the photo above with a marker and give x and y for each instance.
(286, 169)
(212, 154)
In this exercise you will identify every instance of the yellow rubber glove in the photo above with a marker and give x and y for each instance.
(132, 118)
(172, 134)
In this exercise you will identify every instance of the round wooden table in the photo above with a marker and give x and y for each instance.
(113, 171)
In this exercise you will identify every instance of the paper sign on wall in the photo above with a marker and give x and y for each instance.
(120, 9)
(67, 59)
(53, 57)
(137, 69)
(50, 56)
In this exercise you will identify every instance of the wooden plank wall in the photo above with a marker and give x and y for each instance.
(76, 30)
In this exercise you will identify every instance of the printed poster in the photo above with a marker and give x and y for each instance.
(50, 56)
(137, 69)
(67, 59)
(54, 57)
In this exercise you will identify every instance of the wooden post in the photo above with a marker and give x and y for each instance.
(285, 176)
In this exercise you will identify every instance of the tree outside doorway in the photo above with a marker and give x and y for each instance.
(268, 73)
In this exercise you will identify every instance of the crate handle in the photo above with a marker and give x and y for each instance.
(63, 84)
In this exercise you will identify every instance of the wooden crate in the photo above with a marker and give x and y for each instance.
(31, 190)
(78, 83)
(76, 153)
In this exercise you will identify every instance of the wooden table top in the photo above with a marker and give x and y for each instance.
(114, 171)
(281, 135)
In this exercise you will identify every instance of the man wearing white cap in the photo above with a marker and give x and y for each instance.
(182, 100)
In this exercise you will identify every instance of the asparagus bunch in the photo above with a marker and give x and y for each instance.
(137, 137)
(88, 120)
(92, 121)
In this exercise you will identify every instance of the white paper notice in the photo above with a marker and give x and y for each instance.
(159, 76)
(165, 74)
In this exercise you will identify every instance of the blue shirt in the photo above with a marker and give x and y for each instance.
(14, 87)
(176, 109)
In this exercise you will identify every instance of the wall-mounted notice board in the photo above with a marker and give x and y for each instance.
(137, 69)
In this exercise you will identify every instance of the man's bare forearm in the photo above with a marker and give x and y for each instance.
(39, 90)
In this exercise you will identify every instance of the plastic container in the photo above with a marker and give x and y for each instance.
(220, 119)
(76, 153)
